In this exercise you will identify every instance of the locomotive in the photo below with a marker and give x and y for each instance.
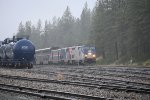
(68, 55)
(17, 52)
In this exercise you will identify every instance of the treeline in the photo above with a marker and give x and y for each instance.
(120, 30)
(64, 31)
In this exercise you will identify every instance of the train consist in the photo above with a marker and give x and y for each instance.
(68, 55)
(17, 52)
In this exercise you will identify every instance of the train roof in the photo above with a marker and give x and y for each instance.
(57, 48)
(50, 48)
(43, 49)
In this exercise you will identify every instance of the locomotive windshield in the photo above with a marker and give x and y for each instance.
(89, 50)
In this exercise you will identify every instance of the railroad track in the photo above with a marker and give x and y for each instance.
(104, 80)
(120, 76)
(126, 71)
(56, 95)
(130, 87)
(103, 70)
(101, 74)
(96, 79)
(110, 69)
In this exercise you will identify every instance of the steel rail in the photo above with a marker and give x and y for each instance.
(46, 93)
(127, 88)
(116, 75)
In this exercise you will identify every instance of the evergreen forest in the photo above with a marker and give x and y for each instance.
(119, 29)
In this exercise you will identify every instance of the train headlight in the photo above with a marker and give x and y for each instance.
(89, 53)
(94, 55)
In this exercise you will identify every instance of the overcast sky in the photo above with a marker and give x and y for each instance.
(12, 12)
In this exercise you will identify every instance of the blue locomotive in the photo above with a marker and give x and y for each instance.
(89, 53)
(18, 53)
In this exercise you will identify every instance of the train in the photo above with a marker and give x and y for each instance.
(67, 55)
(17, 53)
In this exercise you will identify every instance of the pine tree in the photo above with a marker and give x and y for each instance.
(85, 23)
(28, 29)
(21, 30)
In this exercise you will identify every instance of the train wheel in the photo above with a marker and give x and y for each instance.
(73, 62)
(30, 66)
(69, 62)
(17, 66)
(49, 63)
(62, 62)
(13, 65)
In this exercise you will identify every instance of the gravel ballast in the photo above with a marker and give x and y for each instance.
(79, 70)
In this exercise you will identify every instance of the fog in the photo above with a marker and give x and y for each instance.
(15, 11)
(120, 31)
